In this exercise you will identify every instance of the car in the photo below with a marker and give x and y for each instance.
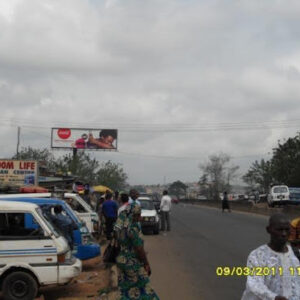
(174, 199)
(150, 217)
(154, 197)
(294, 195)
(278, 194)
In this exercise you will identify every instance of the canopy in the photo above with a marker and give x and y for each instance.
(102, 189)
(33, 189)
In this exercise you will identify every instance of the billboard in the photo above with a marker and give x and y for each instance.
(84, 138)
(18, 172)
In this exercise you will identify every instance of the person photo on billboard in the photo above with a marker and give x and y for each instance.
(105, 140)
(81, 143)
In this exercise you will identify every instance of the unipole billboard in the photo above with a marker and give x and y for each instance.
(84, 138)
(18, 172)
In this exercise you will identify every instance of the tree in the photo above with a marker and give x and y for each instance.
(81, 165)
(204, 186)
(260, 175)
(286, 162)
(178, 188)
(41, 155)
(112, 175)
(219, 174)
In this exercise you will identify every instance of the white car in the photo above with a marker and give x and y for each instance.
(278, 194)
(150, 217)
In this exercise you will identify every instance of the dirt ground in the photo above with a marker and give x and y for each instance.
(93, 281)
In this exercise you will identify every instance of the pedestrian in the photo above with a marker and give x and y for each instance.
(86, 194)
(165, 208)
(134, 194)
(294, 237)
(133, 266)
(225, 202)
(110, 212)
(98, 210)
(279, 279)
(116, 196)
(124, 202)
(64, 224)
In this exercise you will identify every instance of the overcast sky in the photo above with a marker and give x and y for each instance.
(179, 79)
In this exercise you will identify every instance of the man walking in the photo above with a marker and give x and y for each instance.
(110, 212)
(165, 208)
(134, 194)
(278, 281)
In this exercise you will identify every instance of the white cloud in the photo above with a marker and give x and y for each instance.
(145, 65)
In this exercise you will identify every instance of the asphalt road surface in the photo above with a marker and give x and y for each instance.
(184, 261)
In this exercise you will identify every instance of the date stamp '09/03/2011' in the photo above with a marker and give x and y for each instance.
(256, 271)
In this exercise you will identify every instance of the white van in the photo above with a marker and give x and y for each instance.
(82, 209)
(278, 194)
(31, 255)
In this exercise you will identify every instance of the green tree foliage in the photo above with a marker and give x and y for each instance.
(218, 174)
(283, 168)
(112, 175)
(42, 155)
(259, 176)
(81, 165)
(286, 162)
(178, 188)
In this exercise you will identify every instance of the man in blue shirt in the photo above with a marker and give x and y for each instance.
(64, 224)
(110, 212)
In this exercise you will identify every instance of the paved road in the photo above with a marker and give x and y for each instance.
(185, 260)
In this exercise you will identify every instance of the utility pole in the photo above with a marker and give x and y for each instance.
(18, 141)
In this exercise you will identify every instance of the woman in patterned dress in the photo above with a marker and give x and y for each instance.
(132, 263)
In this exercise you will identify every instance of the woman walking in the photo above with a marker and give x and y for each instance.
(225, 202)
(133, 266)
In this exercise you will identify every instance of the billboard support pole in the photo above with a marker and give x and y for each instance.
(18, 141)
(74, 152)
(73, 163)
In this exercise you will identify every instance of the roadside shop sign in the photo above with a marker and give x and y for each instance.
(18, 172)
(84, 138)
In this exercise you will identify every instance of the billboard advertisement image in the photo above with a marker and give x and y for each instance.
(18, 172)
(81, 138)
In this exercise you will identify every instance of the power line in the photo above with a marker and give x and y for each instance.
(185, 157)
(176, 128)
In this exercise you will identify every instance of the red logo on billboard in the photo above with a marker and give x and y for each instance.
(64, 133)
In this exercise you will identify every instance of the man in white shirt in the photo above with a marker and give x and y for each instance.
(165, 208)
(280, 279)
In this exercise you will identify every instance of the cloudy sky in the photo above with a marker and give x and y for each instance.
(179, 79)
